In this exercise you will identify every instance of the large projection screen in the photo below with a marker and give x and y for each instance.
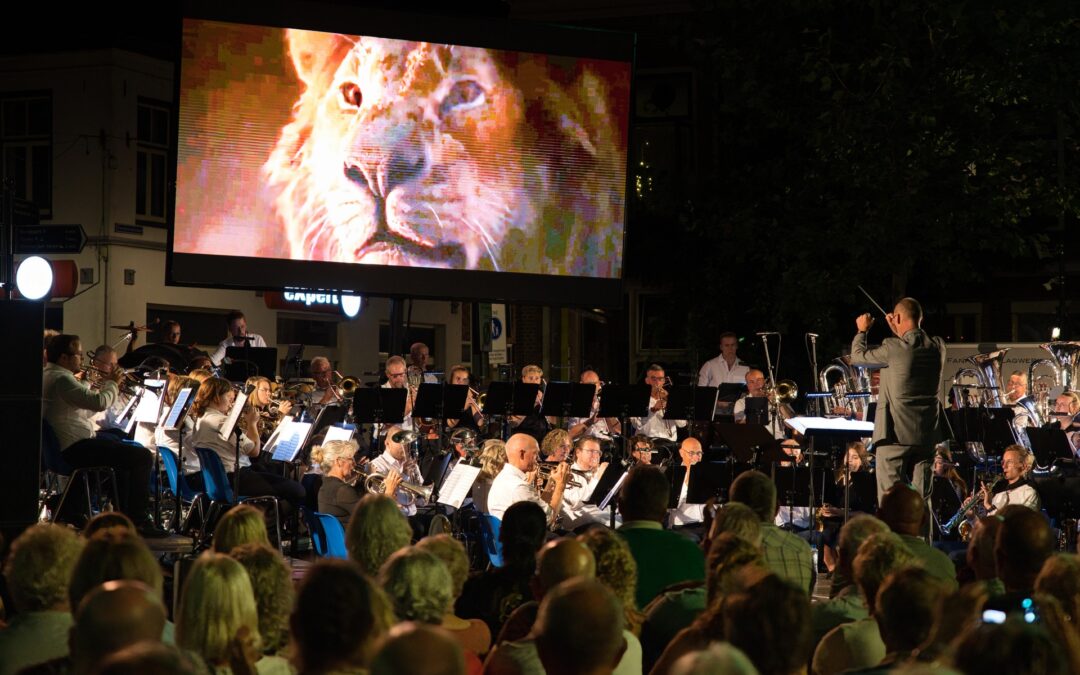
(394, 155)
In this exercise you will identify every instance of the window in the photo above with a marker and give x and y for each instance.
(151, 162)
(26, 142)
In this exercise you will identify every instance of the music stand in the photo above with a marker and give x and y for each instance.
(831, 427)
(707, 480)
(294, 359)
(244, 362)
(292, 439)
(174, 421)
(1048, 445)
(693, 404)
(568, 399)
(229, 429)
(606, 492)
(623, 401)
(729, 392)
(757, 410)
(379, 405)
(505, 399)
(746, 441)
(328, 416)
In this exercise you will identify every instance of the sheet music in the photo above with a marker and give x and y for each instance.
(458, 485)
(271, 442)
(148, 407)
(126, 420)
(290, 441)
(336, 433)
(173, 415)
(234, 414)
(801, 424)
(614, 491)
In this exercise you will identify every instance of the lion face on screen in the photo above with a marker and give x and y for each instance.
(417, 154)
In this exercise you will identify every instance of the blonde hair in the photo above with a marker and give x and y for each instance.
(452, 553)
(419, 585)
(200, 375)
(217, 601)
(177, 383)
(552, 441)
(326, 454)
(376, 530)
(38, 569)
(616, 569)
(1026, 456)
(532, 370)
(271, 581)
(492, 457)
(1074, 397)
(242, 524)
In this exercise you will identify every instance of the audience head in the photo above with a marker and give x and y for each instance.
(452, 554)
(112, 616)
(854, 532)
(340, 615)
(492, 457)
(217, 601)
(905, 608)
(579, 628)
(644, 494)
(758, 492)
(39, 567)
(418, 649)
(242, 524)
(107, 520)
(878, 557)
(903, 510)
(113, 554)
(737, 519)
(523, 530)
(615, 564)
(151, 658)
(418, 585)
(1060, 578)
(562, 560)
(732, 564)
(1013, 647)
(271, 580)
(719, 658)
(770, 622)
(377, 529)
(1024, 542)
(980, 551)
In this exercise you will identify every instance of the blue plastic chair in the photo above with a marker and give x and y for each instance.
(179, 486)
(327, 535)
(489, 533)
(55, 466)
(218, 489)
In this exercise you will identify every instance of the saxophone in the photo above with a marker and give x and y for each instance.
(974, 500)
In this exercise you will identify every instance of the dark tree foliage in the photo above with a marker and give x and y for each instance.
(911, 147)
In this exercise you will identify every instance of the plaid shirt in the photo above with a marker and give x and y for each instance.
(788, 556)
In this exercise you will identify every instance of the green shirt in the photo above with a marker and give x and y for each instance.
(933, 561)
(663, 558)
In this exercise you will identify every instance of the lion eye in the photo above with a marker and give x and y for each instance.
(462, 96)
(351, 95)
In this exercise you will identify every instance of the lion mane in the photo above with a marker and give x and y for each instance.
(432, 155)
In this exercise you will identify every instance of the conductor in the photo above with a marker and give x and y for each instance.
(910, 419)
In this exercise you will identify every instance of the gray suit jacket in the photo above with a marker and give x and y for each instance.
(909, 409)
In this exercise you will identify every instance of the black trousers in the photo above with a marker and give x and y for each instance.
(133, 466)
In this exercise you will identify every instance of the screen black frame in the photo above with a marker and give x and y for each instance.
(251, 273)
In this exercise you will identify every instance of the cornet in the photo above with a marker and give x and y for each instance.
(545, 469)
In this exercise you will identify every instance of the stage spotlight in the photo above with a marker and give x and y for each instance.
(34, 278)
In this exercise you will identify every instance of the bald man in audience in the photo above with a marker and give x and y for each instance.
(418, 649)
(904, 511)
(114, 615)
(580, 630)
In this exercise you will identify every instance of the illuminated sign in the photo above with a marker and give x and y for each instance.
(324, 302)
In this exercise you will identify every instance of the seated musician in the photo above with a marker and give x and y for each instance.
(68, 404)
(396, 372)
(641, 449)
(418, 362)
(949, 491)
(492, 458)
(1015, 488)
(107, 422)
(324, 393)
(576, 512)
(593, 425)
(755, 387)
(654, 425)
(395, 464)
(859, 484)
(168, 332)
(1066, 408)
(794, 518)
(339, 493)
(556, 446)
(535, 424)
(1016, 388)
(236, 324)
(212, 405)
(684, 514)
(516, 482)
(170, 438)
(269, 418)
(471, 417)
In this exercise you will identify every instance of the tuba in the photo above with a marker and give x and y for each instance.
(851, 380)
(1066, 356)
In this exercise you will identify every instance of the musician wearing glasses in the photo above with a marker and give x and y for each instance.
(69, 404)
(594, 425)
(910, 418)
(169, 332)
(418, 362)
(236, 324)
(517, 483)
(107, 422)
(324, 392)
(654, 425)
(536, 425)
(397, 466)
(1066, 409)
(688, 515)
(470, 417)
(396, 378)
(586, 472)
(1016, 462)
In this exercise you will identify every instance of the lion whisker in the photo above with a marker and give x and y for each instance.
(437, 218)
(484, 237)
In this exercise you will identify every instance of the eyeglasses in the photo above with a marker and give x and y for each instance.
(588, 451)
(695, 453)
(401, 374)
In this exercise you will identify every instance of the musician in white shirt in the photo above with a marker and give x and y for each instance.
(684, 514)
(396, 379)
(516, 482)
(725, 368)
(654, 425)
(238, 336)
(395, 464)
(576, 512)
(594, 425)
(170, 438)
(1016, 462)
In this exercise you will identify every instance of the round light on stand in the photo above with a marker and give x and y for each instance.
(1055, 333)
(350, 305)
(34, 278)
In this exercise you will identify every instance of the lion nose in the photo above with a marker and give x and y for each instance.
(392, 157)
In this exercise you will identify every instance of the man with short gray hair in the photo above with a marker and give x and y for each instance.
(785, 554)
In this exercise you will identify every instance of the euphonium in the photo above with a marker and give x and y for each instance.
(375, 484)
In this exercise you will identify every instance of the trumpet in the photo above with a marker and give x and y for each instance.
(545, 469)
(375, 483)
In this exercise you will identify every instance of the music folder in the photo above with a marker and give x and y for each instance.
(458, 485)
(234, 415)
(184, 398)
(290, 441)
(611, 478)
